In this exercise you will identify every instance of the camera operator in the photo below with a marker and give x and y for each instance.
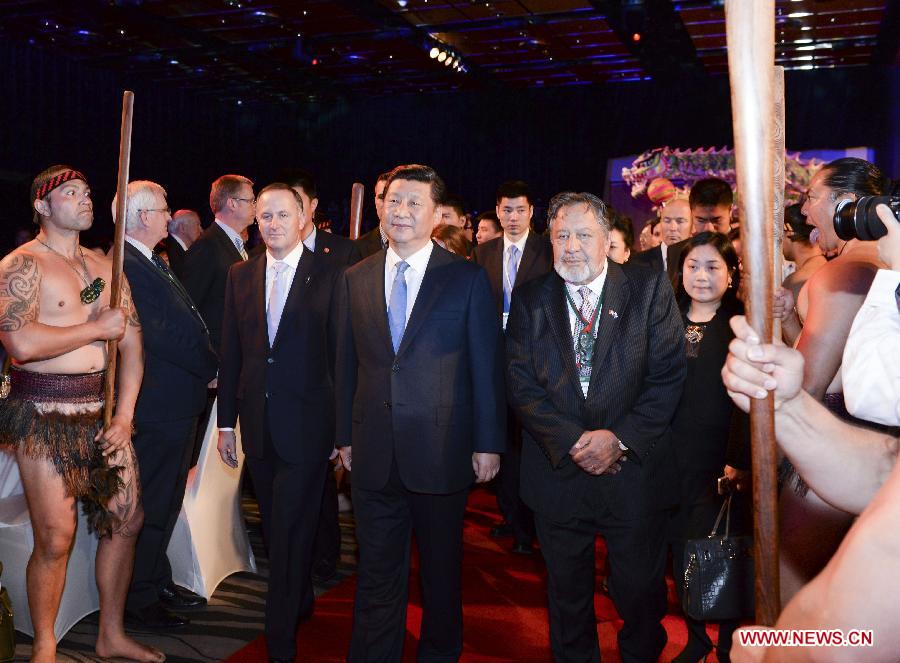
(827, 305)
(855, 470)
(871, 365)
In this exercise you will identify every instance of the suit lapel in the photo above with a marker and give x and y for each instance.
(615, 299)
(258, 293)
(554, 301)
(226, 243)
(376, 306)
(493, 265)
(429, 292)
(529, 255)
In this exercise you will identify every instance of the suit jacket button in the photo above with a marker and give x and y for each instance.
(387, 404)
(270, 360)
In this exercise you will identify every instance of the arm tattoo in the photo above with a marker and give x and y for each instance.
(20, 283)
(128, 305)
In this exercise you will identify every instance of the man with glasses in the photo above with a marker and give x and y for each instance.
(179, 362)
(207, 262)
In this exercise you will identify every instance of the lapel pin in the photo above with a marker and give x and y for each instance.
(614, 314)
(308, 278)
(327, 250)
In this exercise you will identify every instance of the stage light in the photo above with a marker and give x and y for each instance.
(806, 27)
(434, 52)
(448, 62)
(402, 3)
(636, 36)
(315, 62)
(442, 56)
(799, 14)
(803, 41)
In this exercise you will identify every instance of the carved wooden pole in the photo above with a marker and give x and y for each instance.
(356, 205)
(778, 225)
(750, 28)
(115, 292)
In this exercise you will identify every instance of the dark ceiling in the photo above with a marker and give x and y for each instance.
(245, 50)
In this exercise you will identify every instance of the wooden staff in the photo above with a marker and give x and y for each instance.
(115, 292)
(778, 225)
(750, 28)
(356, 206)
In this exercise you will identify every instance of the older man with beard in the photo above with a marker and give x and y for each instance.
(595, 366)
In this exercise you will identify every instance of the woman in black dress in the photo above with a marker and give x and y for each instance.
(705, 423)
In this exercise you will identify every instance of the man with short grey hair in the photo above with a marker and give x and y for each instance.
(207, 262)
(595, 366)
(184, 230)
(178, 363)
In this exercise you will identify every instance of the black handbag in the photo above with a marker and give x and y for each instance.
(718, 573)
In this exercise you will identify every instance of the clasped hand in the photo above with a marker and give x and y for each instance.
(598, 452)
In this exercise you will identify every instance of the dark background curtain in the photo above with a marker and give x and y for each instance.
(56, 110)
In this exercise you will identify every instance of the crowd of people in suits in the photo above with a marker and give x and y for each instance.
(581, 376)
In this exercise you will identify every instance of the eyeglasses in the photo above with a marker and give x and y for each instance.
(167, 210)
(252, 201)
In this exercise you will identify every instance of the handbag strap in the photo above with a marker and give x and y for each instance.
(726, 511)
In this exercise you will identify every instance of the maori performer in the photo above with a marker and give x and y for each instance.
(54, 323)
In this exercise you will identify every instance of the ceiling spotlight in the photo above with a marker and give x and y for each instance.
(448, 62)
(799, 14)
(636, 36)
(434, 52)
(401, 3)
(442, 56)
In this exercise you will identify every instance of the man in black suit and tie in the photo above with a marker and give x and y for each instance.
(675, 220)
(276, 376)
(595, 366)
(516, 257)
(343, 252)
(184, 230)
(178, 363)
(207, 262)
(376, 239)
(421, 414)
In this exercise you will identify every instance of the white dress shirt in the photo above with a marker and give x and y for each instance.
(596, 286)
(664, 248)
(519, 244)
(140, 246)
(870, 369)
(310, 241)
(235, 238)
(292, 259)
(414, 274)
(180, 241)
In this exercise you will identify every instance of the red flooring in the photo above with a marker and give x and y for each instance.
(504, 606)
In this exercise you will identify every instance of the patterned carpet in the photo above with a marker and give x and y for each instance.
(233, 617)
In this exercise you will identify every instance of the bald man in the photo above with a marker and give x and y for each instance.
(184, 229)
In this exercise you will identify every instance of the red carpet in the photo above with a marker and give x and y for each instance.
(504, 604)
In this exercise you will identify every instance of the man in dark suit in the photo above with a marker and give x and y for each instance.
(342, 252)
(420, 399)
(516, 257)
(276, 376)
(376, 239)
(178, 363)
(595, 366)
(675, 220)
(184, 230)
(207, 262)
